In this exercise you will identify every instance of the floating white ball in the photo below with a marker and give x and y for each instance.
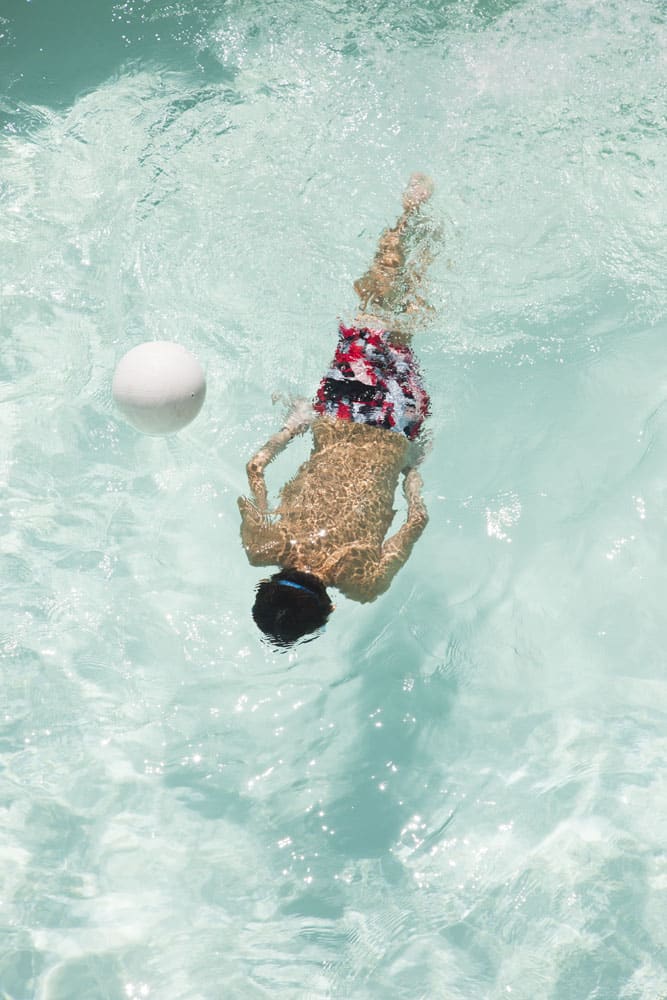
(159, 386)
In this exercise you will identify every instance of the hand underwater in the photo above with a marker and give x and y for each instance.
(300, 417)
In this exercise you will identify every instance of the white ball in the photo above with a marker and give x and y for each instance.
(159, 386)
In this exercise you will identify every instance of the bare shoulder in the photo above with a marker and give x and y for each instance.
(358, 579)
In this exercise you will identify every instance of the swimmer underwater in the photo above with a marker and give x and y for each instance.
(329, 527)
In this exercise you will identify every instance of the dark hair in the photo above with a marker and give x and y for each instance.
(289, 605)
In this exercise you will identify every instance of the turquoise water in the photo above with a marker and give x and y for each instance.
(459, 791)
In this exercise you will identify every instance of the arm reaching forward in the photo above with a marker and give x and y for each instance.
(397, 547)
(255, 467)
(260, 536)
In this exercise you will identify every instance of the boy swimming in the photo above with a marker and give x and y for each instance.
(329, 527)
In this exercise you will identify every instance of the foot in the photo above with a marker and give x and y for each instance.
(419, 190)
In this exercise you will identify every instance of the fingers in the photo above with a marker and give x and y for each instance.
(300, 417)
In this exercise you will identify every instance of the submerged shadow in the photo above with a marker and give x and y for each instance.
(402, 708)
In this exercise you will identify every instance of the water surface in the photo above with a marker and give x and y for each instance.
(458, 791)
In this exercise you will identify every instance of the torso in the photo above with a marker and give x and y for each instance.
(335, 512)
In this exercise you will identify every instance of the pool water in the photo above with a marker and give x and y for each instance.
(460, 790)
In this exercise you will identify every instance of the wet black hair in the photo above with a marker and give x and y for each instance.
(290, 605)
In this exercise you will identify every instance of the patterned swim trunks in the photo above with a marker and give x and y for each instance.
(372, 381)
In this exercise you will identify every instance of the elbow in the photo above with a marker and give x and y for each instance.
(420, 519)
(254, 467)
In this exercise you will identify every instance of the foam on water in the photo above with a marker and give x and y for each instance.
(458, 791)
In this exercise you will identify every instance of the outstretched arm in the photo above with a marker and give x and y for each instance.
(261, 538)
(255, 467)
(298, 421)
(397, 548)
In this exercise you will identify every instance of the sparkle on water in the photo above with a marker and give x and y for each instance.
(460, 790)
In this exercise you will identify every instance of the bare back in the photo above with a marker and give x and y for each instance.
(333, 515)
(336, 511)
